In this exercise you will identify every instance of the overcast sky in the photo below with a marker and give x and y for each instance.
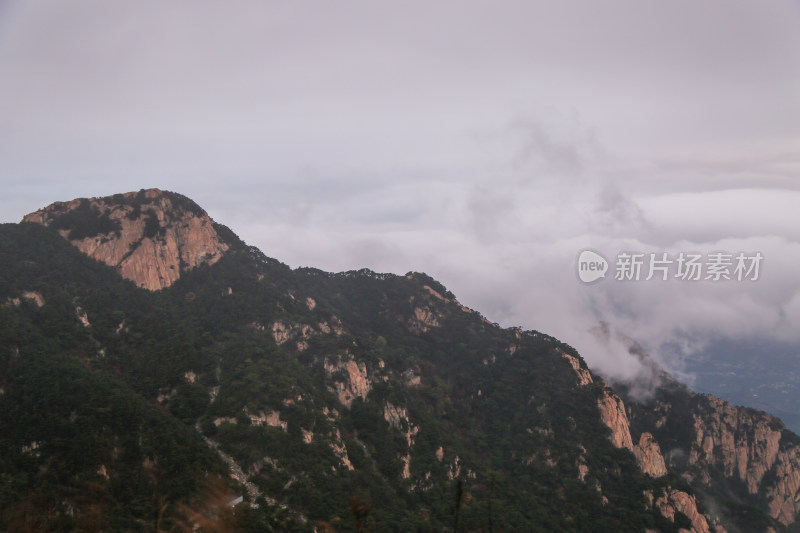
(486, 143)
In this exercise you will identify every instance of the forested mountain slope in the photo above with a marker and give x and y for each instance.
(334, 400)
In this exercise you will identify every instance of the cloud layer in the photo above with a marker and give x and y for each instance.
(486, 144)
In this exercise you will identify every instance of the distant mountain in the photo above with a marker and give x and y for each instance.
(181, 379)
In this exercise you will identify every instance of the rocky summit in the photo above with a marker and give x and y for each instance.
(151, 236)
(157, 374)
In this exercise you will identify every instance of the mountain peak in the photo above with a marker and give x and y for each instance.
(151, 236)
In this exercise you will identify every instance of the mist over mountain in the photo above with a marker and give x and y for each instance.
(159, 374)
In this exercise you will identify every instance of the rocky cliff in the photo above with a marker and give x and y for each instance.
(750, 447)
(745, 461)
(651, 462)
(150, 236)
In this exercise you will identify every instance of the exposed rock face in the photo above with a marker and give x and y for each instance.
(748, 445)
(423, 320)
(448, 299)
(340, 450)
(272, 418)
(397, 417)
(647, 451)
(151, 236)
(358, 383)
(283, 331)
(783, 495)
(718, 447)
(406, 460)
(584, 376)
(612, 412)
(678, 501)
(35, 296)
(648, 455)
(82, 317)
(582, 471)
(742, 443)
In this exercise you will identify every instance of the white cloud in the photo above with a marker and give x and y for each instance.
(486, 144)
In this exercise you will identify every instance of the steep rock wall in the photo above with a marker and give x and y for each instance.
(150, 237)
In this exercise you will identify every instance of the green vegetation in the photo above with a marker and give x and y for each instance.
(458, 425)
(85, 221)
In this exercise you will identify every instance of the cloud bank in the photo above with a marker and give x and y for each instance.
(486, 144)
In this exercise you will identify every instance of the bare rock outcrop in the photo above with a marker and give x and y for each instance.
(612, 413)
(271, 418)
(742, 442)
(340, 450)
(673, 501)
(647, 451)
(35, 296)
(584, 376)
(397, 417)
(783, 495)
(423, 320)
(751, 446)
(357, 384)
(283, 331)
(648, 455)
(150, 237)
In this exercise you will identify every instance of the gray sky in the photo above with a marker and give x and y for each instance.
(485, 143)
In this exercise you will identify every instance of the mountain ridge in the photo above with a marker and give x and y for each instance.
(391, 386)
